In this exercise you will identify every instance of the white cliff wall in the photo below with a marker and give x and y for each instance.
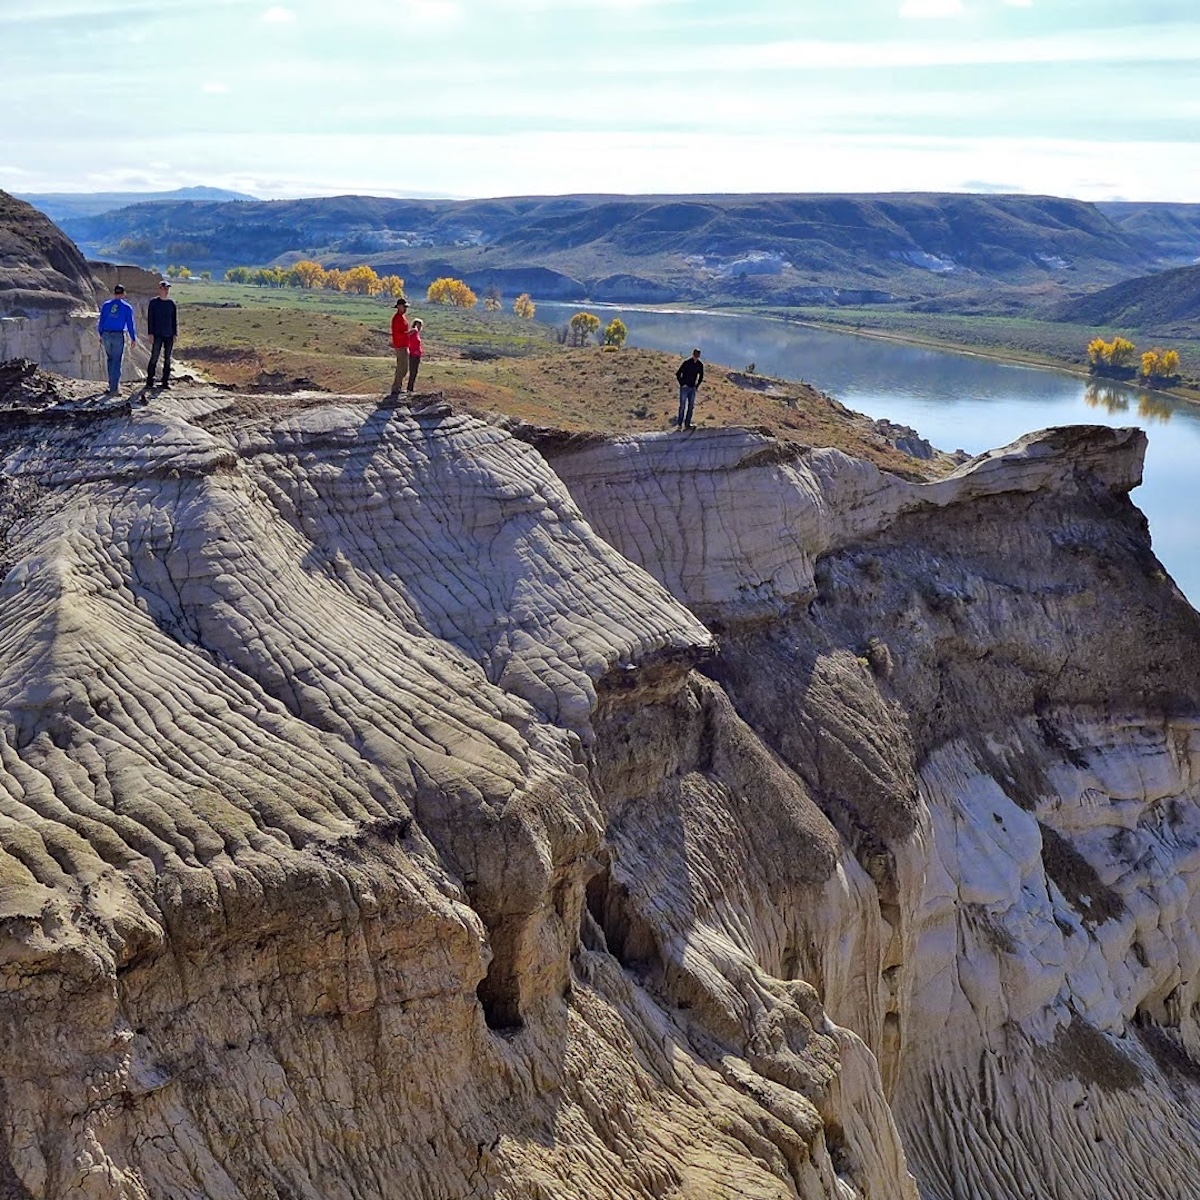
(66, 342)
(370, 827)
(365, 831)
(990, 685)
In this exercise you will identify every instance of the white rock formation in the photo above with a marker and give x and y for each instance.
(369, 827)
(1012, 754)
(48, 307)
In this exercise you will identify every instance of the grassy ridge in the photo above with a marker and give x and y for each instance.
(495, 363)
(241, 334)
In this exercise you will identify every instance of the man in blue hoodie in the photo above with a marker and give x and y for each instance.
(116, 316)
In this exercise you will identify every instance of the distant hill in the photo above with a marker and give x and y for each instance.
(1167, 302)
(780, 249)
(60, 206)
(1173, 228)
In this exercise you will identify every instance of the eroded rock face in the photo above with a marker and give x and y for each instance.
(40, 267)
(356, 805)
(370, 827)
(990, 687)
(48, 298)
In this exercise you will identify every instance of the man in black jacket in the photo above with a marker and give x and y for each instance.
(163, 323)
(690, 376)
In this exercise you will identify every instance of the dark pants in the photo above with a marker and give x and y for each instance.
(414, 365)
(687, 403)
(164, 346)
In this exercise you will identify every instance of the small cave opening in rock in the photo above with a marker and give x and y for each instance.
(630, 938)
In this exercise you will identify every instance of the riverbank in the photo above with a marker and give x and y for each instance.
(1054, 345)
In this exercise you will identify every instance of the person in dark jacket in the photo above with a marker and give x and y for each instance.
(162, 321)
(690, 376)
(116, 318)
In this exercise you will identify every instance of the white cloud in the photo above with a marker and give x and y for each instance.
(278, 15)
(214, 88)
(1019, 3)
(433, 13)
(931, 9)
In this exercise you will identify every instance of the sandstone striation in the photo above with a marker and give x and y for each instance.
(379, 818)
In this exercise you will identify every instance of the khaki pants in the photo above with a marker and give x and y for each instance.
(401, 370)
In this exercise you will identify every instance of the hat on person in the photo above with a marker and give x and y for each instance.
(164, 283)
(402, 301)
(118, 289)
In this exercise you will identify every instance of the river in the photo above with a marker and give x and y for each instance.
(957, 401)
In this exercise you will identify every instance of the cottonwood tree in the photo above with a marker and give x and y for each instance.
(451, 291)
(615, 333)
(492, 299)
(363, 281)
(523, 306)
(310, 274)
(1160, 364)
(1108, 357)
(583, 325)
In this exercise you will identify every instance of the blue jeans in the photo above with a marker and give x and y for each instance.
(687, 402)
(114, 348)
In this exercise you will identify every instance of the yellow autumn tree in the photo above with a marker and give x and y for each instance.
(523, 306)
(363, 281)
(1160, 364)
(392, 285)
(335, 280)
(582, 325)
(309, 274)
(1116, 355)
(451, 291)
(615, 333)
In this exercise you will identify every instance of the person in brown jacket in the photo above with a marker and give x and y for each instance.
(400, 346)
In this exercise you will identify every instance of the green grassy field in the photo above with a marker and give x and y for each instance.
(243, 334)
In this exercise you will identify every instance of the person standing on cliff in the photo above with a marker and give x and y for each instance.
(116, 316)
(415, 349)
(400, 346)
(690, 376)
(162, 323)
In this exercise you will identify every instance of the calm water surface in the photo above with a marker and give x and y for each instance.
(957, 401)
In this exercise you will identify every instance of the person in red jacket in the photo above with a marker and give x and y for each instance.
(414, 352)
(400, 346)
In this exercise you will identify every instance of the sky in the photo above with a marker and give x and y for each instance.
(1094, 99)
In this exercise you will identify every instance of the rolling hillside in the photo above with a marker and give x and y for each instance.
(792, 249)
(1167, 302)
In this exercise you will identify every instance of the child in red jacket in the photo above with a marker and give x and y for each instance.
(414, 352)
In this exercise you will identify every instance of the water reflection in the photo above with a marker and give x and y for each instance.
(957, 401)
(1104, 395)
(1151, 406)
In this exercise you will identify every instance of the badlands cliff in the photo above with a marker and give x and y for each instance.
(391, 808)
(48, 297)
